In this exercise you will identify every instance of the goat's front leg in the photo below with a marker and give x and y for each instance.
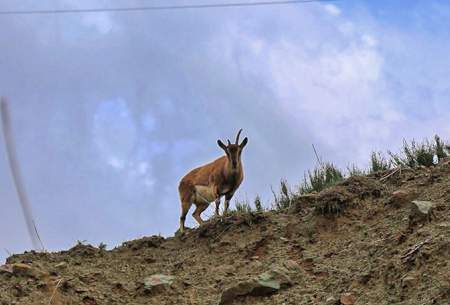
(217, 202)
(227, 203)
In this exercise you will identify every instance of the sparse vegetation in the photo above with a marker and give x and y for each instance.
(258, 204)
(235, 249)
(421, 154)
(442, 150)
(379, 163)
(328, 174)
(414, 154)
(283, 200)
(323, 176)
(243, 207)
(81, 242)
(354, 170)
(102, 246)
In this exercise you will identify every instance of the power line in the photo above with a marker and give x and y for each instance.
(156, 8)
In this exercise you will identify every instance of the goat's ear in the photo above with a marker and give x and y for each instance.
(221, 145)
(244, 142)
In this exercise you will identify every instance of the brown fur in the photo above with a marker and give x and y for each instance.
(209, 182)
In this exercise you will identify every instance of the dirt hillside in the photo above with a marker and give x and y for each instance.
(369, 240)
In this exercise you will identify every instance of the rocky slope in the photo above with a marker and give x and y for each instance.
(369, 240)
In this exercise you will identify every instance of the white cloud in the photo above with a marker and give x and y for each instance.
(101, 22)
(332, 9)
(116, 162)
(369, 40)
(336, 82)
(114, 132)
(143, 167)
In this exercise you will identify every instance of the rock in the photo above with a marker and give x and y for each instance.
(348, 298)
(19, 269)
(266, 283)
(365, 277)
(61, 265)
(87, 300)
(331, 301)
(23, 269)
(421, 211)
(157, 283)
(400, 198)
(275, 278)
(240, 289)
(444, 225)
(6, 268)
(409, 281)
(291, 265)
(308, 264)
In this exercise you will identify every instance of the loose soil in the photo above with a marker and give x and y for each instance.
(354, 244)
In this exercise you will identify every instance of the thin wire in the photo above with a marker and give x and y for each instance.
(11, 156)
(156, 8)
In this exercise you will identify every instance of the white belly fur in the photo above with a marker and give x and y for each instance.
(204, 194)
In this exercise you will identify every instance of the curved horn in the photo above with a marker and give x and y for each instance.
(237, 137)
(229, 143)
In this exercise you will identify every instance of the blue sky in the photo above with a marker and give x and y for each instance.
(110, 110)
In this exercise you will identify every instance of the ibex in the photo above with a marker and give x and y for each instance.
(209, 182)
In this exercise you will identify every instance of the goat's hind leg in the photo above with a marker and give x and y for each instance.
(185, 206)
(200, 208)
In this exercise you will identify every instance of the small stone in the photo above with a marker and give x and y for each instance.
(331, 301)
(291, 265)
(444, 225)
(87, 300)
(275, 278)
(400, 198)
(158, 279)
(409, 281)
(25, 270)
(6, 268)
(421, 211)
(348, 299)
(240, 289)
(157, 283)
(266, 283)
(61, 265)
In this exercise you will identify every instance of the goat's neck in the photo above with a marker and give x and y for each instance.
(229, 171)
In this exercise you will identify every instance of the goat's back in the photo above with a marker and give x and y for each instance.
(202, 174)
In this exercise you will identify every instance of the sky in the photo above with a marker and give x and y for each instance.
(110, 110)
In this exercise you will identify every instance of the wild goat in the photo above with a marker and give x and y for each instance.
(209, 182)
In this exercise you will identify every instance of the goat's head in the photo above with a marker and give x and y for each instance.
(233, 151)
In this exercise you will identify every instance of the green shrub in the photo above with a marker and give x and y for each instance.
(323, 176)
(378, 163)
(258, 205)
(242, 207)
(441, 149)
(417, 154)
(354, 170)
(283, 199)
